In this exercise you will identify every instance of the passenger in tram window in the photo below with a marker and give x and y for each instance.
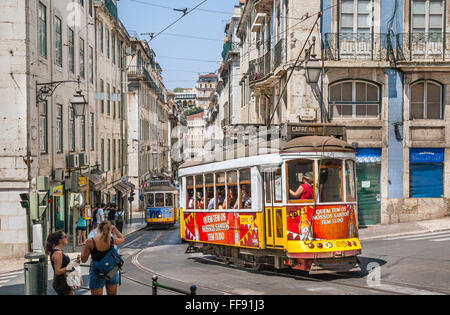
(210, 198)
(305, 190)
(159, 200)
(232, 200)
(246, 198)
(190, 194)
(221, 199)
(200, 200)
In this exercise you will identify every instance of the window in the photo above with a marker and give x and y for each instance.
(114, 154)
(169, 200)
(199, 198)
(114, 103)
(71, 43)
(91, 65)
(300, 181)
(82, 60)
(209, 188)
(190, 193)
(220, 191)
(59, 129)
(58, 42)
(426, 100)
(108, 43)
(83, 133)
(150, 200)
(427, 17)
(354, 99)
(114, 49)
(100, 36)
(102, 92)
(350, 180)
(42, 29)
(232, 188)
(356, 16)
(103, 154)
(108, 98)
(245, 198)
(268, 186)
(330, 181)
(43, 126)
(71, 130)
(92, 125)
(277, 186)
(109, 155)
(426, 172)
(159, 200)
(90, 7)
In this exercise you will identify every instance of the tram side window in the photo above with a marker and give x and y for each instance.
(300, 180)
(350, 180)
(159, 200)
(277, 185)
(190, 193)
(169, 200)
(199, 198)
(232, 200)
(330, 180)
(220, 191)
(245, 186)
(267, 187)
(209, 188)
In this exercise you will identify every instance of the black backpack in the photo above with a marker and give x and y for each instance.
(111, 215)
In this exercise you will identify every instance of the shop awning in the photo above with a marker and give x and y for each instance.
(95, 182)
(124, 188)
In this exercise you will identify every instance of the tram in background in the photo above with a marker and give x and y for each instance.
(161, 203)
(295, 208)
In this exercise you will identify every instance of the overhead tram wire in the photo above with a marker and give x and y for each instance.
(174, 22)
(169, 8)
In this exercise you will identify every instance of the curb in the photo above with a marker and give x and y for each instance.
(403, 234)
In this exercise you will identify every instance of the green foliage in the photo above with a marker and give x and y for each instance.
(178, 90)
(193, 111)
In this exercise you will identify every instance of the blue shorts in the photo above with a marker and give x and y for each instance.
(95, 282)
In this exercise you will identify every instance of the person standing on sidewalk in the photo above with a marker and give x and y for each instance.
(81, 229)
(98, 247)
(99, 215)
(60, 261)
(112, 214)
(119, 219)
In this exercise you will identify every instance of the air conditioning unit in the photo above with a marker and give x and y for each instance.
(83, 159)
(58, 175)
(73, 161)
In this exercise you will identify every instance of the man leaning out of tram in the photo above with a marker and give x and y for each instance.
(305, 190)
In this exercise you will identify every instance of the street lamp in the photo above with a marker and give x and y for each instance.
(313, 70)
(79, 104)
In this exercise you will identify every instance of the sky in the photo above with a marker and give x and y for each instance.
(147, 16)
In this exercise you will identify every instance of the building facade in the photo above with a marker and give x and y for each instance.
(206, 84)
(382, 88)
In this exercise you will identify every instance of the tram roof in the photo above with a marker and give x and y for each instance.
(301, 144)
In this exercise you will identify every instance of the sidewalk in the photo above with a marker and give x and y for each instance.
(16, 264)
(400, 229)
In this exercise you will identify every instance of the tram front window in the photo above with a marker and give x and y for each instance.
(330, 181)
(150, 200)
(169, 200)
(159, 200)
(300, 180)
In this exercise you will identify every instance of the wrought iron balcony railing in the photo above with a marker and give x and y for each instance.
(423, 47)
(260, 67)
(229, 47)
(357, 46)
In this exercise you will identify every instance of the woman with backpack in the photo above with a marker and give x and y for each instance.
(105, 259)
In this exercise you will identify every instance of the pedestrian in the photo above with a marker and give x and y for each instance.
(112, 214)
(119, 219)
(101, 249)
(100, 215)
(53, 248)
(81, 229)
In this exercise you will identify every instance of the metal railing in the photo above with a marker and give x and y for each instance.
(357, 46)
(229, 47)
(260, 67)
(156, 285)
(417, 47)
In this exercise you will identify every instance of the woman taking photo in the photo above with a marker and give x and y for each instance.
(98, 247)
(53, 248)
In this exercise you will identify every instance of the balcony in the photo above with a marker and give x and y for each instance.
(423, 47)
(229, 47)
(260, 67)
(357, 46)
(110, 6)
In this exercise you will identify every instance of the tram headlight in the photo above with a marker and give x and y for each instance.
(159, 216)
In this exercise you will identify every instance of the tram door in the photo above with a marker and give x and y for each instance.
(273, 207)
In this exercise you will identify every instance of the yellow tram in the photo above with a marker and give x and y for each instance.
(294, 207)
(160, 203)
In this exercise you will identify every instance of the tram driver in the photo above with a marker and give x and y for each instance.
(305, 190)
